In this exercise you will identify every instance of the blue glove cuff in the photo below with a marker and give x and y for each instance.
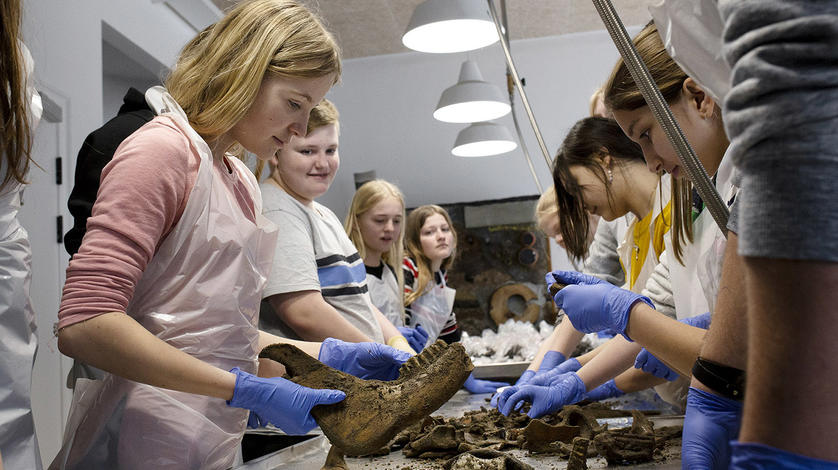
(525, 377)
(607, 390)
(551, 359)
(622, 327)
(747, 455)
(240, 376)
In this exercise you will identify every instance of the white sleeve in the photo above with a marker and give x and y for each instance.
(659, 288)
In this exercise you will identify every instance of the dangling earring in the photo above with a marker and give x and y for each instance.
(610, 175)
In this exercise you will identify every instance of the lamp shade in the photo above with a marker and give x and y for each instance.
(441, 26)
(483, 139)
(471, 99)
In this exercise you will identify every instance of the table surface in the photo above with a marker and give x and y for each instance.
(310, 454)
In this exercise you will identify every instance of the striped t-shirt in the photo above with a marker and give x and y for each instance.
(314, 253)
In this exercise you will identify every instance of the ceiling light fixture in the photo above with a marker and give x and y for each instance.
(472, 99)
(483, 139)
(442, 26)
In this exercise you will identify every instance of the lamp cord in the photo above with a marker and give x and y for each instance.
(510, 66)
(510, 88)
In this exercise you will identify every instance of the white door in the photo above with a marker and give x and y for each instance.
(43, 202)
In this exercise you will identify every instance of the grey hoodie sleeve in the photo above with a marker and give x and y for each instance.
(781, 116)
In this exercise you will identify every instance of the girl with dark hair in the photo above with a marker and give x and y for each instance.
(598, 170)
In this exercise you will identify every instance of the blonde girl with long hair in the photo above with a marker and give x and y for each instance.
(374, 224)
(164, 293)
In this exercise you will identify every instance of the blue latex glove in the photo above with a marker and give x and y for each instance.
(607, 390)
(752, 456)
(699, 321)
(648, 363)
(522, 380)
(710, 423)
(475, 386)
(417, 337)
(592, 304)
(545, 399)
(550, 360)
(547, 377)
(280, 402)
(363, 360)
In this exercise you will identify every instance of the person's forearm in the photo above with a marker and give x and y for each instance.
(726, 340)
(634, 380)
(387, 328)
(313, 319)
(116, 343)
(675, 343)
(271, 368)
(616, 356)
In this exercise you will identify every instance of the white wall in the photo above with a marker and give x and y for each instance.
(386, 103)
(65, 38)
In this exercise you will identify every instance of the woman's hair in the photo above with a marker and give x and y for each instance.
(547, 210)
(587, 142)
(622, 93)
(15, 137)
(366, 197)
(324, 114)
(413, 247)
(219, 72)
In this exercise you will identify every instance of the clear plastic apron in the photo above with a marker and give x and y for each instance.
(385, 295)
(433, 309)
(200, 293)
(703, 258)
(18, 339)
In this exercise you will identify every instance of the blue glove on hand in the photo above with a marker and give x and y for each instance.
(547, 377)
(417, 337)
(545, 399)
(475, 386)
(607, 390)
(752, 456)
(280, 402)
(650, 364)
(363, 360)
(710, 423)
(522, 380)
(592, 304)
(550, 360)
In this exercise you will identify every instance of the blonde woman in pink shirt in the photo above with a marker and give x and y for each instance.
(164, 292)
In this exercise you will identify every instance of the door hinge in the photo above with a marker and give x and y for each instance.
(59, 227)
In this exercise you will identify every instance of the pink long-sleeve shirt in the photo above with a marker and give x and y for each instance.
(141, 198)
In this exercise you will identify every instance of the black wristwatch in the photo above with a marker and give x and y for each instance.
(724, 380)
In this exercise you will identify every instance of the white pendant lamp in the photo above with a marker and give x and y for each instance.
(483, 139)
(472, 99)
(441, 26)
